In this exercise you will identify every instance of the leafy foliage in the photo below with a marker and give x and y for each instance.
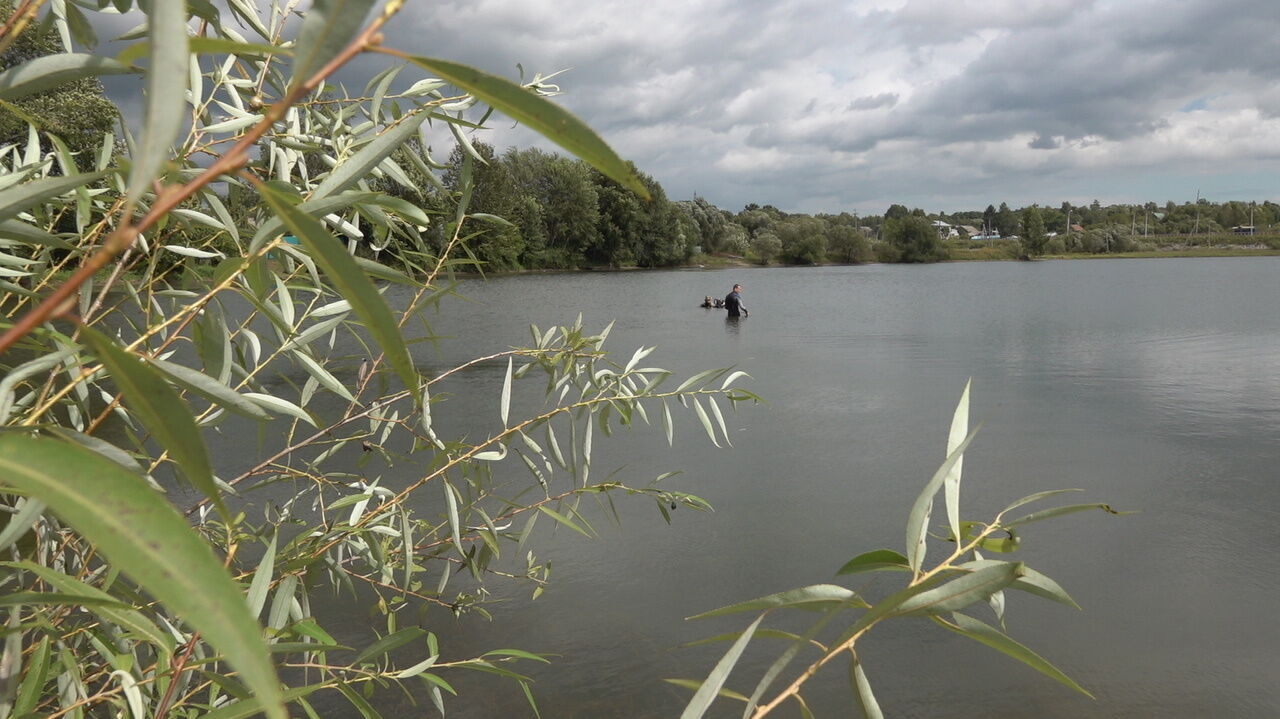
(948, 593)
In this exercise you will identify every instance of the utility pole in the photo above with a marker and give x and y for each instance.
(1196, 229)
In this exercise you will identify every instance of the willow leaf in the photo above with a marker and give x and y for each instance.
(918, 520)
(817, 594)
(1060, 511)
(541, 115)
(142, 535)
(45, 73)
(354, 286)
(984, 633)
(327, 28)
(960, 593)
(16, 199)
(959, 428)
(155, 403)
(712, 685)
(166, 91)
(209, 388)
(862, 690)
(875, 561)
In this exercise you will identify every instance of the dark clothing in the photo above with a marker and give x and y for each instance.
(733, 303)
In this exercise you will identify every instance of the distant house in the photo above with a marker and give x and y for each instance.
(970, 230)
(1243, 229)
(1077, 228)
(945, 230)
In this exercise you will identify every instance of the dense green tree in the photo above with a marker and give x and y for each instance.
(1006, 221)
(710, 220)
(989, 219)
(76, 112)
(847, 243)
(1033, 232)
(896, 212)
(494, 193)
(570, 206)
(765, 246)
(915, 238)
(804, 240)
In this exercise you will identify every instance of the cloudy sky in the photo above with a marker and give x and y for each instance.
(818, 105)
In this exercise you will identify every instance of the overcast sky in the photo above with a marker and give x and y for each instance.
(817, 105)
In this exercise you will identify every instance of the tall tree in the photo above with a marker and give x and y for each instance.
(1033, 232)
(1006, 221)
(492, 193)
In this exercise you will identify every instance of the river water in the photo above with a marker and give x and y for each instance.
(1153, 385)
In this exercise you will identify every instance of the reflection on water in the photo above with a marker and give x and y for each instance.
(1150, 384)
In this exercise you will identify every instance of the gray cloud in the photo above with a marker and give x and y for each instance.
(872, 102)
(818, 106)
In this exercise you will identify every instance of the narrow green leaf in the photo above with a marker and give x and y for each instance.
(389, 643)
(563, 520)
(359, 702)
(984, 633)
(56, 599)
(29, 194)
(47, 72)
(1060, 511)
(101, 605)
(918, 520)
(862, 690)
(160, 410)
(959, 428)
(780, 664)
(960, 593)
(1031, 581)
(506, 391)
(706, 421)
(27, 516)
(257, 596)
(517, 653)
(817, 594)
(209, 388)
(350, 281)
(252, 706)
(141, 534)
(324, 376)
(37, 673)
(694, 684)
(711, 686)
(455, 524)
(876, 561)
(166, 92)
(26, 234)
(328, 26)
(370, 156)
(541, 115)
(418, 668)
(276, 404)
(222, 46)
(1037, 497)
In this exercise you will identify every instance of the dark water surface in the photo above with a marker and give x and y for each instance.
(1153, 385)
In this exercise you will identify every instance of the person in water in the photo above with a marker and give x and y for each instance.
(733, 302)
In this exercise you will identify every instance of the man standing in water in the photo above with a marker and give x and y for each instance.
(733, 303)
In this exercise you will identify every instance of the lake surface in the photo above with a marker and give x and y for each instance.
(1153, 385)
